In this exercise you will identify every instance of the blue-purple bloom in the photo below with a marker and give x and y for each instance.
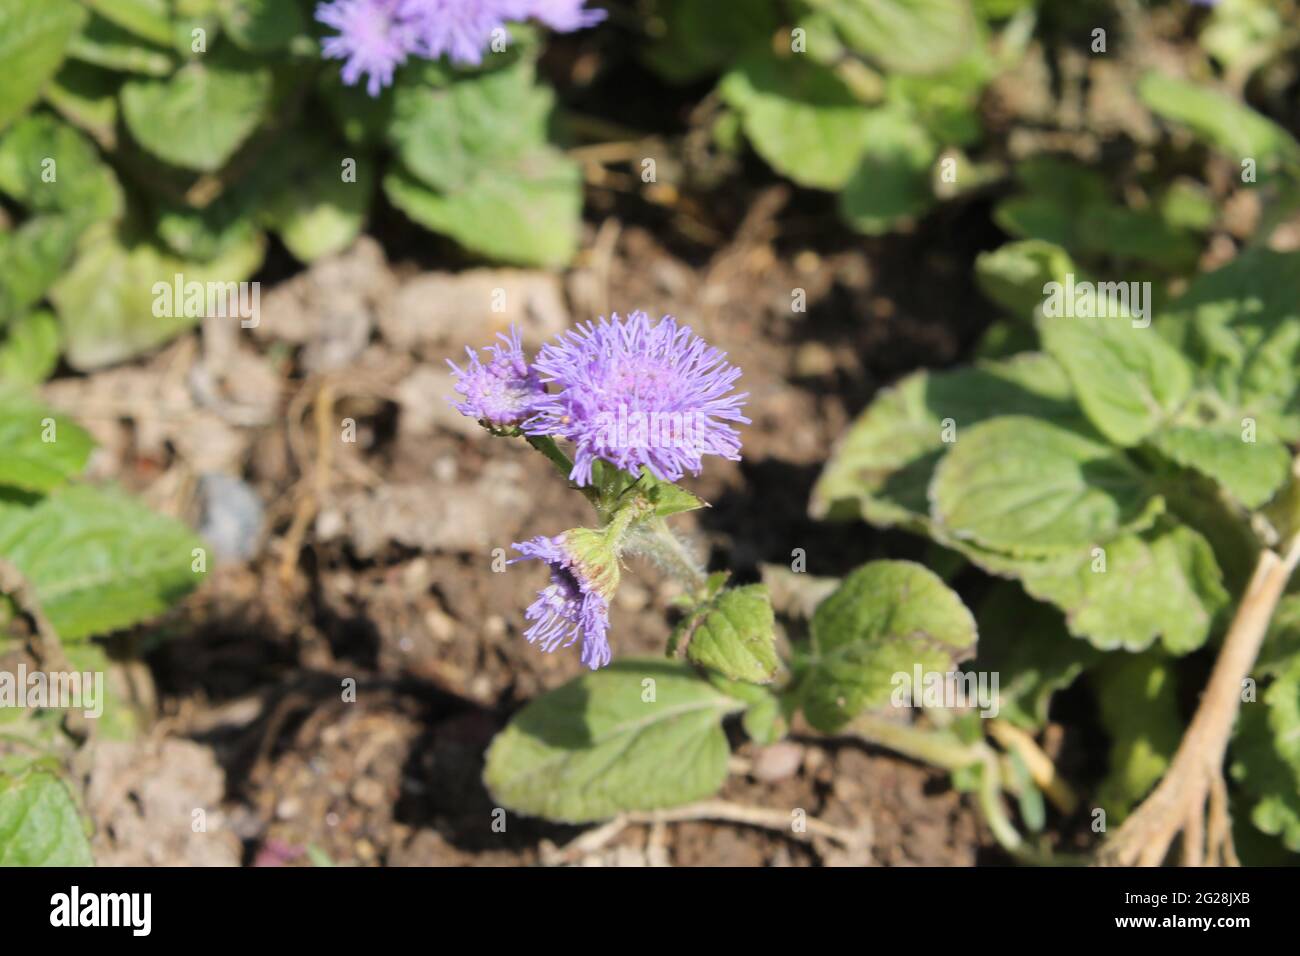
(376, 36)
(576, 602)
(637, 393)
(503, 392)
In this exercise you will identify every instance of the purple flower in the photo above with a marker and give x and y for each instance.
(584, 576)
(637, 393)
(503, 392)
(460, 29)
(562, 15)
(374, 38)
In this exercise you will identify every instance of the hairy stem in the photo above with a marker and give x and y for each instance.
(655, 540)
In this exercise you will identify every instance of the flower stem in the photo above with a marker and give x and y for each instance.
(546, 445)
(656, 541)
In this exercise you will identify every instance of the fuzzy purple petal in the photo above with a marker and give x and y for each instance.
(374, 38)
(638, 393)
(569, 607)
(502, 392)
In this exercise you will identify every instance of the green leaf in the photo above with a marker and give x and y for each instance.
(762, 721)
(1015, 274)
(108, 305)
(700, 39)
(906, 36)
(1127, 379)
(322, 213)
(1266, 760)
(1251, 472)
(731, 633)
(29, 350)
(201, 114)
(1137, 698)
(262, 25)
(31, 259)
(105, 44)
(39, 822)
(99, 560)
(148, 19)
(637, 735)
(883, 465)
(1240, 325)
(1163, 584)
(1027, 486)
(86, 96)
(49, 166)
(799, 116)
(33, 38)
(892, 183)
(531, 218)
(1025, 642)
(454, 136)
(1220, 120)
(41, 449)
(885, 619)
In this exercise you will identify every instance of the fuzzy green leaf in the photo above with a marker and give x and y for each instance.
(1027, 486)
(799, 116)
(41, 449)
(530, 218)
(1249, 471)
(1128, 380)
(1163, 584)
(892, 183)
(39, 822)
(50, 167)
(732, 633)
(637, 735)
(906, 36)
(33, 39)
(108, 305)
(29, 349)
(1219, 119)
(197, 117)
(99, 560)
(1014, 275)
(1025, 642)
(883, 465)
(884, 619)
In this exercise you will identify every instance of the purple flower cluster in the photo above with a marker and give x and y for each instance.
(503, 392)
(573, 605)
(585, 388)
(376, 36)
(639, 394)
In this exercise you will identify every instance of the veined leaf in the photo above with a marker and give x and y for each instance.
(33, 39)
(907, 36)
(884, 463)
(885, 619)
(799, 116)
(1249, 471)
(732, 633)
(1026, 486)
(98, 560)
(1163, 584)
(39, 823)
(197, 117)
(637, 735)
(1139, 709)
(1128, 380)
(41, 449)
